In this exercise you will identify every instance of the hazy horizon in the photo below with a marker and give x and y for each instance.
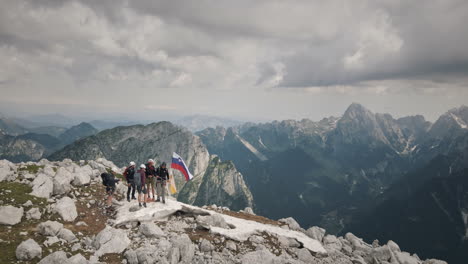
(159, 60)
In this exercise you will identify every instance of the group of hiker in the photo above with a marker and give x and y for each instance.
(143, 180)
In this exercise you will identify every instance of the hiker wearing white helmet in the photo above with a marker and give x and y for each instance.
(140, 179)
(128, 174)
(150, 178)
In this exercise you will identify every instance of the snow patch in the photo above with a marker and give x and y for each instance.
(465, 221)
(459, 121)
(257, 153)
(242, 230)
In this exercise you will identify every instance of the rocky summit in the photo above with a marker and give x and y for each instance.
(54, 212)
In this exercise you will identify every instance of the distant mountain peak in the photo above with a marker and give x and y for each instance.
(355, 110)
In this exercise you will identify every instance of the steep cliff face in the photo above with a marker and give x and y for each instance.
(30, 147)
(221, 184)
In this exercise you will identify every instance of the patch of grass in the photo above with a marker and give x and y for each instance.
(111, 258)
(16, 194)
(33, 169)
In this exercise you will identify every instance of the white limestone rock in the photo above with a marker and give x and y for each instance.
(185, 246)
(206, 246)
(77, 259)
(58, 257)
(33, 213)
(293, 225)
(42, 186)
(50, 228)
(150, 229)
(316, 233)
(10, 215)
(211, 220)
(111, 240)
(67, 235)
(28, 250)
(62, 181)
(66, 208)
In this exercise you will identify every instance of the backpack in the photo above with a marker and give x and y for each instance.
(131, 173)
(107, 179)
(137, 178)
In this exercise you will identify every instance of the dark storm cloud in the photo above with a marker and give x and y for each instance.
(203, 47)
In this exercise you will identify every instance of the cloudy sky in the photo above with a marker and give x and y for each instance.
(258, 60)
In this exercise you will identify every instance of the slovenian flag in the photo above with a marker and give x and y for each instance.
(179, 164)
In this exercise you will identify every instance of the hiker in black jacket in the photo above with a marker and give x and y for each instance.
(109, 180)
(128, 174)
(162, 175)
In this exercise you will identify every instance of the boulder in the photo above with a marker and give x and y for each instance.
(357, 243)
(131, 256)
(148, 254)
(150, 229)
(305, 256)
(51, 240)
(381, 254)
(77, 259)
(293, 225)
(206, 246)
(174, 255)
(81, 178)
(33, 213)
(110, 240)
(42, 186)
(10, 215)
(66, 208)
(211, 220)
(50, 228)
(28, 250)
(393, 246)
(67, 235)
(331, 242)
(231, 245)
(287, 242)
(48, 170)
(248, 210)
(7, 172)
(405, 258)
(62, 181)
(185, 246)
(316, 233)
(58, 257)
(260, 256)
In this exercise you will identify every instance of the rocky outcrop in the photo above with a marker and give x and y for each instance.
(221, 184)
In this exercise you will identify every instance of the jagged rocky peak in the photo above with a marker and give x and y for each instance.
(452, 123)
(359, 126)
